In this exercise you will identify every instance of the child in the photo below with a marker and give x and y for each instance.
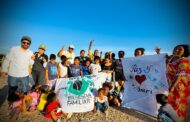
(35, 94)
(117, 93)
(166, 113)
(52, 108)
(43, 97)
(63, 67)
(95, 68)
(76, 68)
(15, 100)
(101, 102)
(51, 71)
(85, 67)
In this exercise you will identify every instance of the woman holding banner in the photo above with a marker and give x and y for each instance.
(178, 73)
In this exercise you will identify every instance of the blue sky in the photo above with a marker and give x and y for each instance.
(113, 24)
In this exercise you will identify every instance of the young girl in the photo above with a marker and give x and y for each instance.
(85, 67)
(63, 67)
(95, 68)
(101, 102)
(52, 108)
(35, 94)
(139, 52)
(43, 97)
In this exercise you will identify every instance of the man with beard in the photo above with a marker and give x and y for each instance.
(17, 65)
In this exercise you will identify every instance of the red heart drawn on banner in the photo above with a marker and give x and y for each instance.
(140, 78)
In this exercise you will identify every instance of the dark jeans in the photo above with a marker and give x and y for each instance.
(101, 106)
(38, 77)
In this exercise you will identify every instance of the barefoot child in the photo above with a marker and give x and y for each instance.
(101, 102)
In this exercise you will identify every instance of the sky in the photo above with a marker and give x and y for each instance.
(113, 24)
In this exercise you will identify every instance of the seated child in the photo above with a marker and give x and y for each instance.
(52, 108)
(114, 94)
(19, 103)
(118, 93)
(101, 102)
(35, 94)
(15, 100)
(165, 113)
(43, 97)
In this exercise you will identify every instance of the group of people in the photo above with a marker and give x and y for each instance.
(32, 78)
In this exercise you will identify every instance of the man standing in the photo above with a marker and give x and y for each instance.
(38, 69)
(69, 54)
(18, 64)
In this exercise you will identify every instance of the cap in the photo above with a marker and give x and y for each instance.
(157, 47)
(26, 38)
(42, 46)
(72, 46)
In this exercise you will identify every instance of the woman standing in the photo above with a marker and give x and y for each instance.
(178, 73)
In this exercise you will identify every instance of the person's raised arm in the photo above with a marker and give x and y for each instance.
(90, 50)
(61, 52)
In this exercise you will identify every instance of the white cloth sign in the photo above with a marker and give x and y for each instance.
(77, 94)
(146, 76)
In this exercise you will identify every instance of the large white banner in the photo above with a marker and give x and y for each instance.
(77, 94)
(146, 76)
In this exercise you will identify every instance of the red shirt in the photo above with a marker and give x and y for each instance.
(53, 105)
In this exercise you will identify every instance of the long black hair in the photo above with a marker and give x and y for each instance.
(186, 49)
(141, 49)
(50, 98)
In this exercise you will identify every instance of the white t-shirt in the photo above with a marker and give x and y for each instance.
(17, 62)
(63, 70)
(95, 68)
(69, 55)
(97, 99)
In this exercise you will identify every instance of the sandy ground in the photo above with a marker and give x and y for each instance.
(114, 115)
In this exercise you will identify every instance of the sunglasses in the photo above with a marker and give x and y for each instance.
(27, 43)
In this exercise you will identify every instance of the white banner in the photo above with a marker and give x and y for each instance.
(146, 76)
(77, 94)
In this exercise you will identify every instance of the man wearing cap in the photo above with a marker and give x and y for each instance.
(69, 54)
(17, 64)
(38, 69)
